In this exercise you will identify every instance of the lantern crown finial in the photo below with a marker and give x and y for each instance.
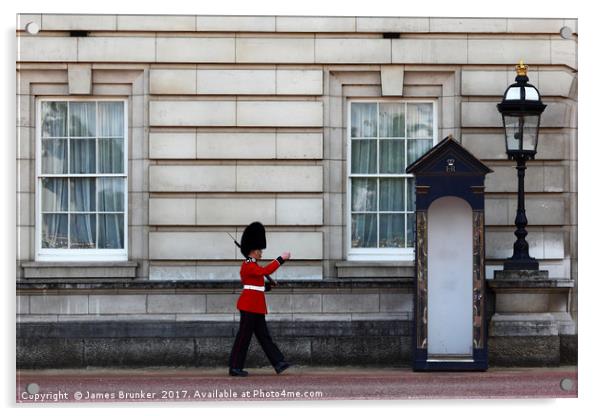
(521, 69)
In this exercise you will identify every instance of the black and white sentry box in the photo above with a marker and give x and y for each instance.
(449, 298)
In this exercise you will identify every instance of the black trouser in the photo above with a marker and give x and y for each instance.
(253, 323)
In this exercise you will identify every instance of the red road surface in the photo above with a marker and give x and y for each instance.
(297, 383)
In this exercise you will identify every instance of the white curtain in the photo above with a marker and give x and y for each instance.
(364, 123)
(390, 216)
(82, 123)
(392, 161)
(111, 200)
(110, 194)
(420, 141)
(420, 121)
(110, 119)
(420, 130)
(82, 156)
(392, 120)
(82, 119)
(54, 212)
(54, 195)
(54, 231)
(110, 231)
(363, 202)
(83, 199)
(54, 161)
(391, 198)
(364, 153)
(364, 193)
(54, 156)
(54, 125)
(392, 156)
(94, 135)
(363, 156)
(391, 194)
(110, 156)
(111, 160)
(83, 230)
(417, 148)
(411, 194)
(363, 120)
(363, 233)
(391, 124)
(54, 119)
(411, 229)
(392, 230)
(110, 142)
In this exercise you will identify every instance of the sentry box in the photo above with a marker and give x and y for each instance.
(450, 329)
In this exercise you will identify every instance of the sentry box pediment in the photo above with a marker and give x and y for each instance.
(449, 317)
(449, 169)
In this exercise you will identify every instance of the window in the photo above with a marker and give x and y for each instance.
(81, 167)
(384, 138)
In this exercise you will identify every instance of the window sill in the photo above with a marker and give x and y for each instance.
(374, 269)
(79, 270)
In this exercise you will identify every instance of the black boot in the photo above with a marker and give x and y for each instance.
(281, 366)
(237, 372)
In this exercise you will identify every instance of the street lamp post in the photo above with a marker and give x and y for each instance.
(521, 110)
(514, 323)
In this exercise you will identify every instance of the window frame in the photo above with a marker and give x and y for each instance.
(81, 254)
(379, 254)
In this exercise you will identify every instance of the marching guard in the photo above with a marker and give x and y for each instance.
(251, 303)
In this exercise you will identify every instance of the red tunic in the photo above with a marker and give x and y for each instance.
(252, 273)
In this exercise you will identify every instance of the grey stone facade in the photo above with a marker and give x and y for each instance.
(202, 343)
(199, 89)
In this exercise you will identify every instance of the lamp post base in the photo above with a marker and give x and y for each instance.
(520, 275)
(531, 321)
(521, 264)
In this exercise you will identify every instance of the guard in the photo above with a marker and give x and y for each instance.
(251, 303)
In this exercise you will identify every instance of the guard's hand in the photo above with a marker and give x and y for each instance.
(286, 255)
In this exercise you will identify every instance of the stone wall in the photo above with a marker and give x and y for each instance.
(208, 344)
(194, 324)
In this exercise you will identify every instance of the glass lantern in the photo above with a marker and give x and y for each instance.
(521, 110)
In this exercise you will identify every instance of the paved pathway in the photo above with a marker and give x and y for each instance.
(297, 383)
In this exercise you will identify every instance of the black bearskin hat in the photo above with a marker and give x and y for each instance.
(253, 238)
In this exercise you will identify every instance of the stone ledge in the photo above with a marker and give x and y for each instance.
(523, 325)
(367, 269)
(518, 275)
(78, 270)
(521, 284)
(289, 285)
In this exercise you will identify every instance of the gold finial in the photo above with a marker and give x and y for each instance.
(521, 69)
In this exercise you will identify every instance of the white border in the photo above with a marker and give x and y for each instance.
(95, 254)
(590, 150)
